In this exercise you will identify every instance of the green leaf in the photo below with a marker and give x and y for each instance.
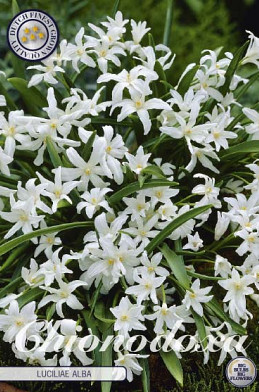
(200, 328)
(36, 233)
(55, 159)
(246, 86)
(32, 97)
(10, 287)
(10, 103)
(252, 146)
(151, 41)
(86, 153)
(180, 220)
(232, 68)
(145, 375)
(107, 359)
(141, 180)
(134, 187)
(95, 297)
(204, 277)
(168, 23)
(13, 256)
(15, 8)
(214, 306)
(185, 82)
(115, 7)
(153, 170)
(91, 323)
(177, 266)
(50, 311)
(30, 296)
(100, 313)
(173, 364)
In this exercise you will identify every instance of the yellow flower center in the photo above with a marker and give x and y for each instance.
(124, 317)
(19, 322)
(57, 193)
(79, 52)
(64, 294)
(24, 217)
(138, 104)
(11, 131)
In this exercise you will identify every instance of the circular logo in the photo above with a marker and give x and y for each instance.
(241, 372)
(32, 35)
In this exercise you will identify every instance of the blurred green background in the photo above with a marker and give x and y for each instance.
(197, 24)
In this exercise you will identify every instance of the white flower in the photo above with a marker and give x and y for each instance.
(138, 104)
(139, 161)
(106, 53)
(222, 267)
(94, 199)
(141, 230)
(237, 288)
(32, 276)
(46, 243)
(146, 288)
(128, 316)
(22, 217)
(151, 265)
(54, 267)
(78, 51)
(117, 22)
(202, 155)
(209, 191)
(136, 206)
(14, 320)
(165, 315)
(13, 131)
(89, 171)
(70, 344)
(48, 69)
(2, 100)
(194, 242)
(131, 363)
(5, 160)
(252, 54)
(222, 225)
(138, 30)
(114, 151)
(130, 80)
(33, 192)
(194, 297)
(62, 295)
(57, 191)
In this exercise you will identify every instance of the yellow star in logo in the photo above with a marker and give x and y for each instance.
(24, 39)
(26, 30)
(35, 29)
(41, 35)
(32, 37)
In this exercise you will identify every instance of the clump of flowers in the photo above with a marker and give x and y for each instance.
(128, 205)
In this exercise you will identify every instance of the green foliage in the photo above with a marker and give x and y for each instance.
(196, 24)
